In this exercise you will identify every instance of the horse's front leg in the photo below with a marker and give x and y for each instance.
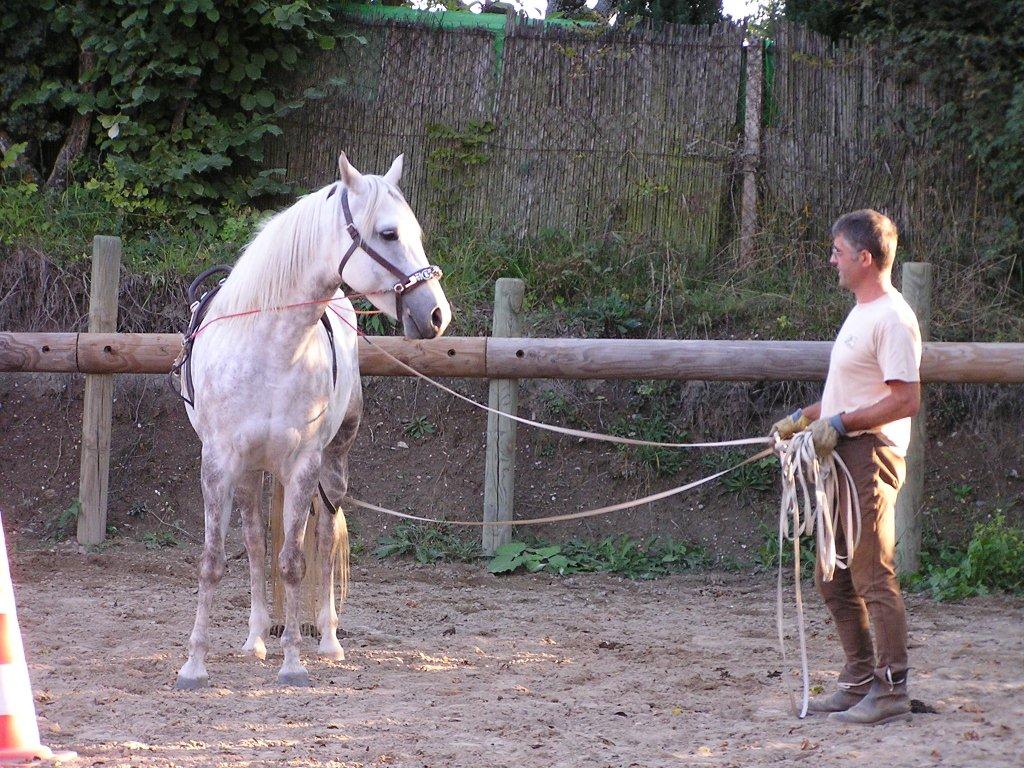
(298, 492)
(247, 499)
(218, 481)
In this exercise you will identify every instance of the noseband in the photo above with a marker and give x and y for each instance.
(406, 282)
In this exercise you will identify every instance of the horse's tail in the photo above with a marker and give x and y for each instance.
(339, 551)
(342, 559)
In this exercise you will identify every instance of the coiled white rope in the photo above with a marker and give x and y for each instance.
(811, 497)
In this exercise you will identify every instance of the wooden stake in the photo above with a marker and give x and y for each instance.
(751, 154)
(499, 477)
(917, 290)
(99, 396)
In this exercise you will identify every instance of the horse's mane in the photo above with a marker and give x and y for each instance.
(273, 263)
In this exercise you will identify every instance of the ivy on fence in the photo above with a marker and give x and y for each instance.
(155, 102)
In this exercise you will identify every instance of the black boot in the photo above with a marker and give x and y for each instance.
(886, 702)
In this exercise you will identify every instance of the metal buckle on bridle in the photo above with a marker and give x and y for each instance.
(420, 276)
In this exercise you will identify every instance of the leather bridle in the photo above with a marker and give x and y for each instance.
(407, 282)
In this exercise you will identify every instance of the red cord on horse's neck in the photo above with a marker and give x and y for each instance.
(248, 312)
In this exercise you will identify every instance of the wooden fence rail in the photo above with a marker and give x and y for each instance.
(530, 358)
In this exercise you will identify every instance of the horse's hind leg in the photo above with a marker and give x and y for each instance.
(332, 532)
(331, 544)
(247, 499)
(298, 491)
(218, 479)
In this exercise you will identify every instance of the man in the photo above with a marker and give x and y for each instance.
(871, 392)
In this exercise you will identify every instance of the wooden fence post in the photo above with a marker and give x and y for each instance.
(917, 290)
(99, 395)
(499, 473)
(751, 152)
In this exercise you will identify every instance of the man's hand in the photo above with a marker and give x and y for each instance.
(789, 426)
(824, 435)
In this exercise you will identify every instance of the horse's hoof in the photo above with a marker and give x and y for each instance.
(296, 679)
(332, 653)
(257, 648)
(190, 683)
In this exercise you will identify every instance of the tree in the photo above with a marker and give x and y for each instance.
(37, 66)
(673, 11)
(835, 18)
(971, 54)
(153, 96)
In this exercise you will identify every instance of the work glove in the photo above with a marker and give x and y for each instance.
(789, 426)
(825, 434)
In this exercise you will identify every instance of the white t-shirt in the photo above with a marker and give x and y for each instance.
(879, 342)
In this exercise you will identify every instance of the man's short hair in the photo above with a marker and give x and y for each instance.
(868, 230)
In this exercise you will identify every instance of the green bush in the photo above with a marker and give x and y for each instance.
(574, 287)
(172, 98)
(623, 555)
(758, 476)
(767, 554)
(157, 239)
(993, 561)
(656, 429)
(609, 317)
(428, 543)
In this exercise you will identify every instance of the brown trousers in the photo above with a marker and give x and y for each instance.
(869, 588)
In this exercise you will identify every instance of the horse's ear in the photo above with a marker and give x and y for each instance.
(350, 177)
(394, 174)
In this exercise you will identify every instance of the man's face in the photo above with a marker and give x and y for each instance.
(849, 262)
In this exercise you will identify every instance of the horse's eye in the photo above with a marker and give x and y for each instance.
(389, 234)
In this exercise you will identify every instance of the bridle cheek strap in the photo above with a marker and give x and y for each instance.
(406, 282)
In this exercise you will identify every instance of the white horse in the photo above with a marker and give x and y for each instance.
(271, 393)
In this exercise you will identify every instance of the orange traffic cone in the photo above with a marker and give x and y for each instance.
(19, 733)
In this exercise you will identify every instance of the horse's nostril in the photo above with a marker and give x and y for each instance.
(436, 318)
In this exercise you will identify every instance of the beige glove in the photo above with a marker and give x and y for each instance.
(789, 426)
(824, 436)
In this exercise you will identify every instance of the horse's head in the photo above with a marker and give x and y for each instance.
(386, 260)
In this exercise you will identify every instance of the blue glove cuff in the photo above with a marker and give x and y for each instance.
(795, 415)
(837, 424)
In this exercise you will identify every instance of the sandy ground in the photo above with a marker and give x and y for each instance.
(449, 666)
